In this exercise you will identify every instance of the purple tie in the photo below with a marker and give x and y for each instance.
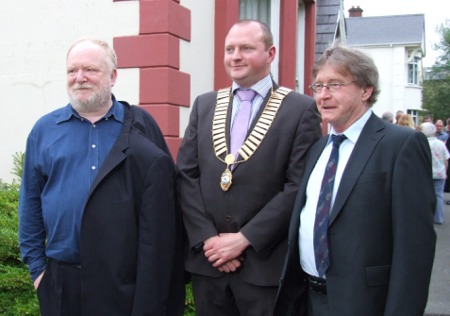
(324, 207)
(241, 121)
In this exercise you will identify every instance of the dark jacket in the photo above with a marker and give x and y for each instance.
(381, 237)
(260, 200)
(131, 247)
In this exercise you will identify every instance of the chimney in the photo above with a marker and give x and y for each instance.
(355, 12)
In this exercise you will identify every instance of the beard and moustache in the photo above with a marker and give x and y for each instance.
(96, 101)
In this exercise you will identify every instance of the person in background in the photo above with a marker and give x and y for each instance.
(440, 156)
(398, 114)
(361, 238)
(440, 133)
(427, 119)
(98, 224)
(388, 117)
(240, 161)
(447, 144)
(407, 121)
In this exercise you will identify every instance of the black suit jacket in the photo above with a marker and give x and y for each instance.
(260, 200)
(131, 251)
(381, 236)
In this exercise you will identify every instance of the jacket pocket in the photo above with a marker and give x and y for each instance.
(378, 275)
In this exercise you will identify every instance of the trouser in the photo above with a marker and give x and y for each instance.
(439, 212)
(231, 296)
(317, 303)
(59, 292)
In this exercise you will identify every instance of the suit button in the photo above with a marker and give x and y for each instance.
(228, 218)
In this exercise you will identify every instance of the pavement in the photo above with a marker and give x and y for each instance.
(439, 293)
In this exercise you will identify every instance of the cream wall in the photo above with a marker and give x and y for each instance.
(197, 56)
(35, 38)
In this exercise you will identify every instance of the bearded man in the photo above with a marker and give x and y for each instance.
(99, 228)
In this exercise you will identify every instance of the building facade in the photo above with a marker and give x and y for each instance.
(397, 45)
(169, 51)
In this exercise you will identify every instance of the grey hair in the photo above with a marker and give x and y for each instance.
(428, 129)
(349, 61)
(112, 58)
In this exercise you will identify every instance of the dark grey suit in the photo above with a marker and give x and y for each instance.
(260, 200)
(381, 235)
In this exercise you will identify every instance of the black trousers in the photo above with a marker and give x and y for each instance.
(231, 296)
(317, 304)
(59, 292)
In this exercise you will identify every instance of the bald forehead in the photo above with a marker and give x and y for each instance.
(85, 46)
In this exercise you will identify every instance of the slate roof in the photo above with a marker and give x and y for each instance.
(382, 30)
(327, 21)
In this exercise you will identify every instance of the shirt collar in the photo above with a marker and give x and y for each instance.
(261, 87)
(116, 111)
(355, 129)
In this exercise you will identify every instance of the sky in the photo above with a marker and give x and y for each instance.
(435, 11)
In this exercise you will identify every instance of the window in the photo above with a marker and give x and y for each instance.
(255, 10)
(415, 115)
(413, 71)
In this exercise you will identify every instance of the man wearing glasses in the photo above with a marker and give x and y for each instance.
(361, 237)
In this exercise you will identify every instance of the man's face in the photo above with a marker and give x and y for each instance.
(89, 77)
(345, 106)
(439, 126)
(246, 58)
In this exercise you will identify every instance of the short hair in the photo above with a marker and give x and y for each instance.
(267, 36)
(388, 116)
(428, 129)
(349, 61)
(112, 58)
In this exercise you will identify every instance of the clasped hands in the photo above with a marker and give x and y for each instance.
(225, 251)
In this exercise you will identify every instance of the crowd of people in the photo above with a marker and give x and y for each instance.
(260, 211)
(438, 135)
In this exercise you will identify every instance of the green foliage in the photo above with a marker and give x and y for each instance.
(17, 295)
(189, 308)
(436, 90)
(18, 160)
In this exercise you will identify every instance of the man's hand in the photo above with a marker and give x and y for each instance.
(224, 248)
(38, 280)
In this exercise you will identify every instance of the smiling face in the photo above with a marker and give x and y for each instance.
(345, 106)
(247, 59)
(89, 77)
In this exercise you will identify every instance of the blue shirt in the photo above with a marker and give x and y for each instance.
(63, 156)
(442, 136)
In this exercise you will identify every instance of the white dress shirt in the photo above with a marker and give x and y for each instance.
(308, 213)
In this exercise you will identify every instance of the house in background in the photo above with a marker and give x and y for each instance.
(397, 45)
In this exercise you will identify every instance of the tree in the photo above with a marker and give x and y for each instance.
(436, 89)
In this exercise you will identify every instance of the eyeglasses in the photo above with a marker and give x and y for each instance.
(332, 86)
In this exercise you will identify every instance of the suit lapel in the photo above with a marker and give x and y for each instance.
(367, 141)
(117, 152)
(313, 156)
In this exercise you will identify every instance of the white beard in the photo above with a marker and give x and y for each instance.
(93, 103)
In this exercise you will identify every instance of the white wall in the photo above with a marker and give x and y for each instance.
(35, 38)
(197, 56)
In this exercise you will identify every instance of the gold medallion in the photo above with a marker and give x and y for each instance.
(255, 138)
(229, 159)
(225, 179)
